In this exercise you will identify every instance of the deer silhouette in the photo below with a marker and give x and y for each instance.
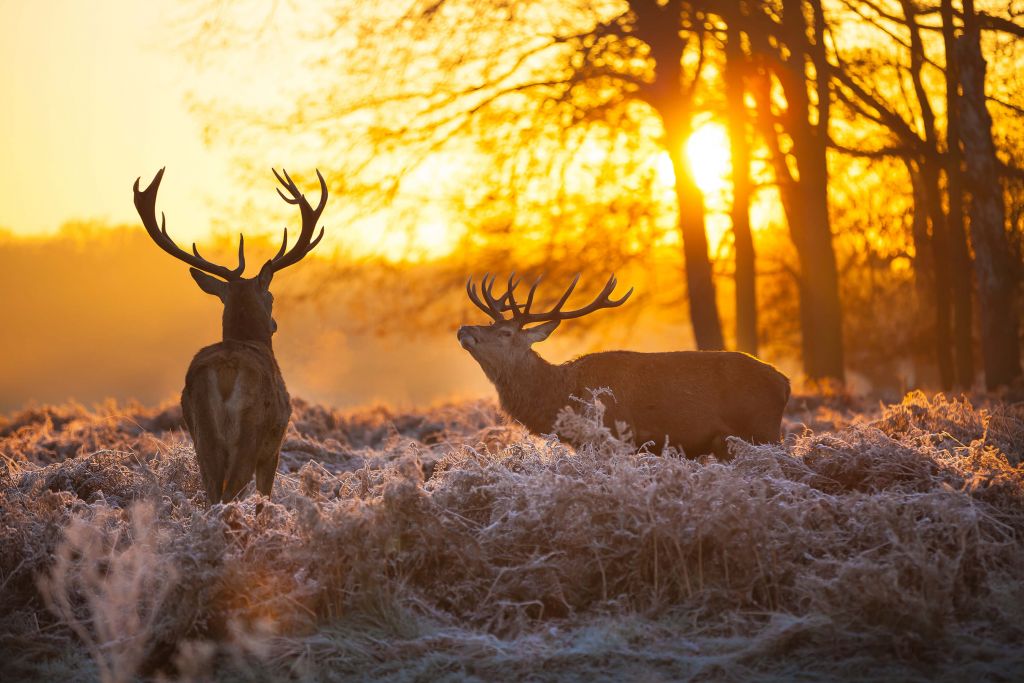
(694, 399)
(235, 402)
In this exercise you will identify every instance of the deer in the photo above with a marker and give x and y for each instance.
(235, 403)
(692, 400)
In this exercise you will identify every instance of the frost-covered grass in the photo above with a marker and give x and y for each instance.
(447, 544)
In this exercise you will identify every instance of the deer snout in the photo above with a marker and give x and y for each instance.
(466, 338)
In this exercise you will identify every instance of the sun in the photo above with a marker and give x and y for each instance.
(707, 153)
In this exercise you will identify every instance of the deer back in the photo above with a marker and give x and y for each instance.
(693, 397)
(236, 407)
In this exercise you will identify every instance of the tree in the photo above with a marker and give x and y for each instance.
(737, 64)
(793, 50)
(960, 260)
(997, 286)
(909, 117)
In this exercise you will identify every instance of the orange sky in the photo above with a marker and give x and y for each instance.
(99, 96)
(87, 108)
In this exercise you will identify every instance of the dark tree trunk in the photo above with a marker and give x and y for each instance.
(993, 268)
(930, 168)
(925, 276)
(811, 230)
(939, 247)
(658, 25)
(746, 285)
(707, 327)
(960, 259)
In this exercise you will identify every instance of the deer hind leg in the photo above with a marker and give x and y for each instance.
(241, 459)
(211, 456)
(266, 469)
(270, 453)
(720, 448)
(209, 449)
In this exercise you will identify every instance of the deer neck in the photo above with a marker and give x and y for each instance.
(239, 325)
(532, 391)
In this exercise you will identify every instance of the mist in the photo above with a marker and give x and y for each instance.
(95, 313)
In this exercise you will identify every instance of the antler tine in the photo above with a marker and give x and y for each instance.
(471, 291)
(304, 244)
(487, 289)
(513, 281)
(284, 245)
(145, 204)
(603, 300)
(241, 253)
(565, 297)
(529, 297)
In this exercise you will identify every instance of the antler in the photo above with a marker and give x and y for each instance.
(145, 204)
(522, 314)
(493, 307)
(310, 216)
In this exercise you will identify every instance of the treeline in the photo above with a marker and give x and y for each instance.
(554, 111)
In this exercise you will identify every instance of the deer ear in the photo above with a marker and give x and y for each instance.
(209, 283)
(266, 274)
(541, 332)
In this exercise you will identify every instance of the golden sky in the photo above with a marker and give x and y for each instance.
(98, 96)
(94, 96)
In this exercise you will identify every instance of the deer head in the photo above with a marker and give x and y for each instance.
(507, 341)
(247, 301)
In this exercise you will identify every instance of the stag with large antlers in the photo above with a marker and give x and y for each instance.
(235, 403)
(691, 399)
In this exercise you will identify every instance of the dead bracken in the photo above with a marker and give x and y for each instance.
(447, 543)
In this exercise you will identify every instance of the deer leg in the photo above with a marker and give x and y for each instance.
(266, 465)
(211, 455)
(266, 470)
(240, 471)
(211, 467)
(720, 448)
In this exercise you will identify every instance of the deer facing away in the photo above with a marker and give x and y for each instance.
(695, 399)
(235, 403)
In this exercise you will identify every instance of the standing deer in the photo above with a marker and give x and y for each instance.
(693, 398)
(235, 403)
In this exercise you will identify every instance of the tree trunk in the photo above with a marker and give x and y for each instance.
(707, 326)
(925, 272)
(939, 247)
(658, 26)
(746, 285)
(1000, 343)
(960, 259)
(811, 231)
(930, 168)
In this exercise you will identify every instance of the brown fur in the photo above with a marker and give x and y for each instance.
(695, 399)
(235, 402)
(236, 408)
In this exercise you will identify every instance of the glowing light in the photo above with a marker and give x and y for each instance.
(707, 153)
(432, 238)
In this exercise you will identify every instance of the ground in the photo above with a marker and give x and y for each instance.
(878, 542)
